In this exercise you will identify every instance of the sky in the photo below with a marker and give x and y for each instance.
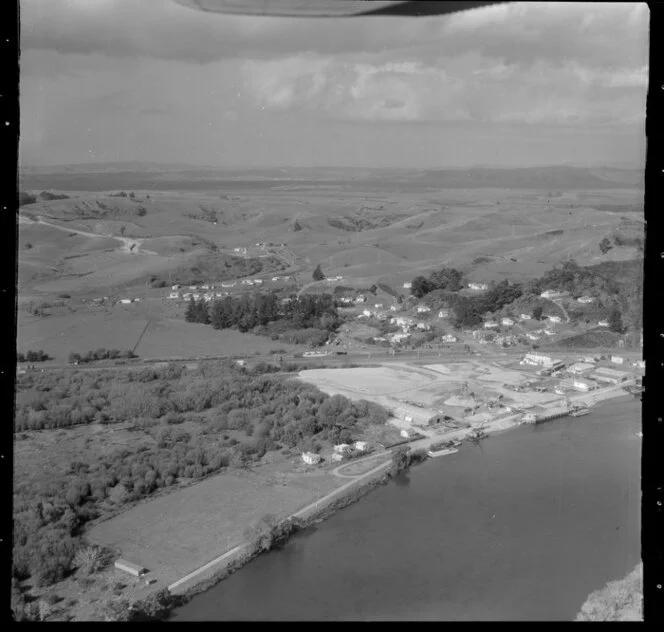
(514, 84)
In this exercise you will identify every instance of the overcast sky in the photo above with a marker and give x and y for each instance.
(512, 84)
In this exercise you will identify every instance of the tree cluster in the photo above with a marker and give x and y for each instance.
(272, 412)
(100, 354)
(33, 356)
(449, 279)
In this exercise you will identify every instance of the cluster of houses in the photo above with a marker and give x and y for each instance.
(341, 451)
(481, 287)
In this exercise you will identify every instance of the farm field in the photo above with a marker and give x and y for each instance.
(179, 532)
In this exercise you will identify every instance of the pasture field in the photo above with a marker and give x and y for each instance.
(177, 533)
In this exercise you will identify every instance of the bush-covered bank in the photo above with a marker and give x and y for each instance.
(620, 600)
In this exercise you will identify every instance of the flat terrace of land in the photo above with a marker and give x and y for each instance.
(177, 533)
(420, 392)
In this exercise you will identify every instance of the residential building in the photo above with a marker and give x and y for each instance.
(423, 309)
(444, 313)
(585, 299)
(400, 336)
(175, 287)
(125, 301)
(310, 458)
(406, 434)
(407, 286)
(590, 360)
(366, 312)
(378, 305)
(490, 324)
(548, 332)
(617, 359)
(603, 323)
(361, 299)
(449, 338)
(128, 567)
(393, 308)
(361, 446)
(174, 295)
(640, 364)
(525, 317)
(342, 448)
(553, 294)
(508, 322)
(478, 286)
(555, 319)
(258, 281)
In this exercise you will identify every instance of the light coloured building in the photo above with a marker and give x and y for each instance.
(579, 368)
(508, 322)
(582, 385)
(449, 338)
(342, 448)
(603, 323)
(555, 319)
(525, 317)
(478, 286)
(125, 301)
(361, 446)
(422, 309)
(611, 376)
(133, 569)
(423, 326)
(586, 299)
(443, 313)
(532, 337)
(174, 295)
(310, 458)
(537, 359)
(407, 286)
(617, 359)
(490, 324)
(640, 364)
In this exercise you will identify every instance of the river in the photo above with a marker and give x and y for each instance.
(523, 527)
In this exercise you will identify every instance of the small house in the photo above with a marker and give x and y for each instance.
(378, 305)
(422, 309)
(175, 287)
(555, 319)
(407, 286)
(342, 448)
(525, 317)
(617, 359)
(586, 299)
(508, 322)
(361, 446)
(393, 308)
(174, 295)
(406, 434)
(449, 338)
(640, 364)
(423, 326)
(603, 323)
(532, 337)
(443, 313)
(366, 312)
(125, 301)
(490, 324)
(310, 458)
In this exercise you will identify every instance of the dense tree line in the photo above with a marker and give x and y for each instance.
(257, 311)
(100, 354)
(33, 356)
(272, 411)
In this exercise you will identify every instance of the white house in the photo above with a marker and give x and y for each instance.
(490, 324)
(361, 446)
(125, 301)
(378, 305)
(525, 317)
(128, 567)
(361, 299)
(508, 322)
(640, 364)
(175, 287)
(400, 336)
(551, 294)
(310, 458)
(228, 284)
(478, 286)
(555, 319)
(337, 457)
(174, 295)
(342, 448)
(548, 332)
(449, 338)
(617, 359)
(590, 360)
(443, 313)
(406, 434)
(407, 286)
(603, 323)
(586, 299)
(366, 312)
(422, 309)
(393, 308)
(423, 326)
(258, 281)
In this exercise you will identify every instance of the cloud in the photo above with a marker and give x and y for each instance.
(467, 88)
(601, 34)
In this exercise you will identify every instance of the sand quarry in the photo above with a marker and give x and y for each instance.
(421, 391)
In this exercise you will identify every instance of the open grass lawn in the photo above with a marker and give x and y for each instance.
(177, 533)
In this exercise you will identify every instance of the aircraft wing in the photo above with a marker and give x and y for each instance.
(331, 8)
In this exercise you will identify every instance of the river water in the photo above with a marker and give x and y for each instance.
(523, 527)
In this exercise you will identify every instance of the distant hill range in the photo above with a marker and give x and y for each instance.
(145, 175)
